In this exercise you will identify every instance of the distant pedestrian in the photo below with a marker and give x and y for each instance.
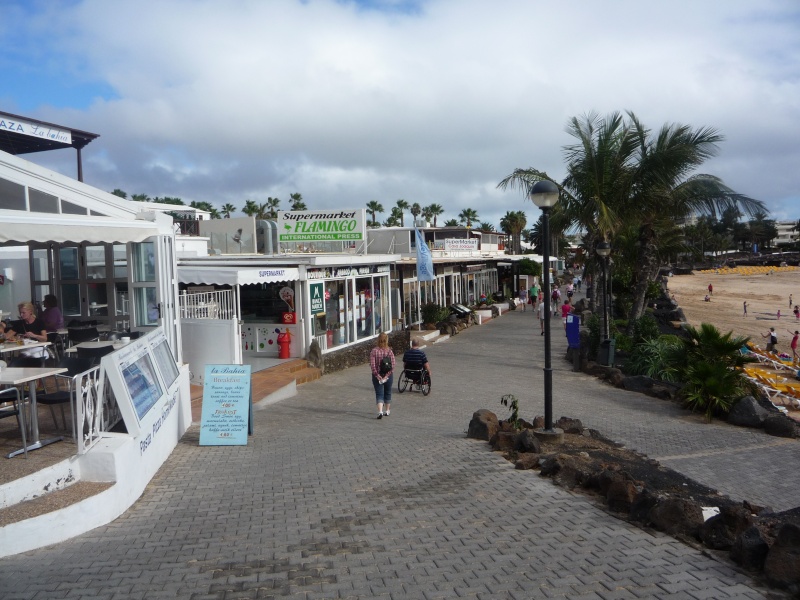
(773, 339)
(566, 308)
(779, 314)
(523, 297)
(710, 290)
(381, 360)
(790, 301)
(533, 295)
(541, 316)
(744, 306)
(796, 335)
(797, 313)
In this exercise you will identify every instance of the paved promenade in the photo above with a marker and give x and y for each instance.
(328, 502)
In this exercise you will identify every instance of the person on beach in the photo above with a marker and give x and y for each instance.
(793, 345)
(744, 306)
(797, 312)
(710, 290)
(773, 339)
(790, 301)
(707, 298)
(779, 314)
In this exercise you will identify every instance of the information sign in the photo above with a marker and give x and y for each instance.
(227, 415)
(317, 293)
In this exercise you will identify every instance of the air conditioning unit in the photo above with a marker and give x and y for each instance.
(421, 223)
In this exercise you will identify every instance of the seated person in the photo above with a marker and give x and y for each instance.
(51, 317)
(28, 327)
(414, 359)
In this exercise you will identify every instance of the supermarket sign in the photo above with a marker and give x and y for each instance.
(322, 226)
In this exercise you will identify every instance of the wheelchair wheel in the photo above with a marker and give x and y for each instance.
(402, 382)
(425, 386)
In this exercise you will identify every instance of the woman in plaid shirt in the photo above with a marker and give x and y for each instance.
(382, 382)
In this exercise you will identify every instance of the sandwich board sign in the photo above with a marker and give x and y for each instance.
(227, 416)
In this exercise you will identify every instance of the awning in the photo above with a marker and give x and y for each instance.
(20, 228)
(213, 275)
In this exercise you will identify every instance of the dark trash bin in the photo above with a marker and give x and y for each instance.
(605, 355)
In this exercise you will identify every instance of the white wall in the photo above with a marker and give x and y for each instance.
(17, 288)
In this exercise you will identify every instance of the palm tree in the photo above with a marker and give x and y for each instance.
(616, 168)
(373, 206)
(486, 226)
(227, 209)
(250, 208)
(272, 205)
(297, 201)
(665, 190)
(513, 223)
(468, 215)
(403, 206)
(415, 209)
(451, 223)
(121, 194)
(435, 210)
(207, 206)
(427, 214)
(140, 198)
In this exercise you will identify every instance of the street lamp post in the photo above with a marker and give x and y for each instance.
(544, 194)
(603, 251)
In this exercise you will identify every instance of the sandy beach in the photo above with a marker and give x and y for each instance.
(765, 295)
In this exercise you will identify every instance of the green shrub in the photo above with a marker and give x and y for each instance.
(645, 328)
(433, 313)
(654, 358)
(623, 342)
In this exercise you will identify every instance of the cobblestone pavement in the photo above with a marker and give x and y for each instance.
(326, 501)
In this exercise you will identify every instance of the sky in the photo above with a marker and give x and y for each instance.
(430, 101)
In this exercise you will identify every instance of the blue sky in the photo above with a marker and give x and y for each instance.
(427, 100)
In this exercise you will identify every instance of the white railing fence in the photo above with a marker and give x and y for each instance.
(207, 305)
(94, 414)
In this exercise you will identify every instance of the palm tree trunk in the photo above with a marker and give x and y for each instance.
(646, 270)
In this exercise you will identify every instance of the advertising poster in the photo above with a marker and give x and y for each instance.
(227, 414)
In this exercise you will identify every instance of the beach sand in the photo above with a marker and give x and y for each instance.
(765, 294)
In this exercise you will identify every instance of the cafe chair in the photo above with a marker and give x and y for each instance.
(78, 335)
(64, 389)
(94, 354)
(26, 362)
(56, 345)
(11, 406)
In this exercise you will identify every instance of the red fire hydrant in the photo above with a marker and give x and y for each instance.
(284, 339)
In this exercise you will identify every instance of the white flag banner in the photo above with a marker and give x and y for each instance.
(424, 260)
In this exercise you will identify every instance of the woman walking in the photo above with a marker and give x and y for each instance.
(381, 361)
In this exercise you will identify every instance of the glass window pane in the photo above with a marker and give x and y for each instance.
(70, 300)
(144, 261)
(42, 202)
(68, 263)
(146, 307)
(41, 268)
(12, 195)
(68, 208)
(95, 262)
(120, 262)
(98, 300)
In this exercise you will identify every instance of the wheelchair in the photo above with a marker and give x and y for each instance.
(410, 378)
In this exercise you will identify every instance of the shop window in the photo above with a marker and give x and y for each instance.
(42, 202)
(12, 195)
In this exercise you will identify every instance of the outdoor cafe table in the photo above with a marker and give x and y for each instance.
(17, 376)
(73, 349)
(9, 347)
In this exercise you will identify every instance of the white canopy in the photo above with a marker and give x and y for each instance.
(18, 228)
(213, 275)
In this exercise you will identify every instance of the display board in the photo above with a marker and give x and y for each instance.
(143, 375)
(227, 416)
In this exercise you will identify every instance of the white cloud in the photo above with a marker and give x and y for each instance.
(248, 99)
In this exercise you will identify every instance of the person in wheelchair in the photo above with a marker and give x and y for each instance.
(414, 360)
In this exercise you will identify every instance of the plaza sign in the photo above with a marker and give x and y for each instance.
(322, 226)
(37, 130)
